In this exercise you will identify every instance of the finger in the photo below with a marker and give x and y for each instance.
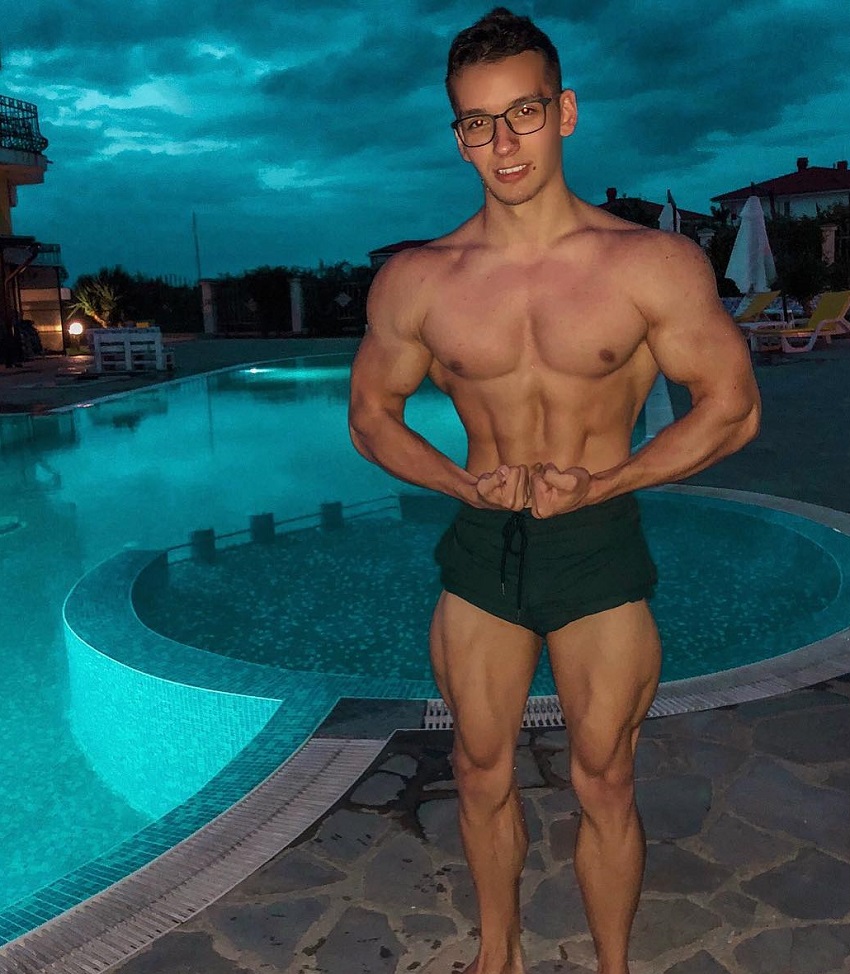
(540, 495)
(517, 487)
(567, 480)
(559, 478)
(523, 487)
(509, 479)
(487, 483)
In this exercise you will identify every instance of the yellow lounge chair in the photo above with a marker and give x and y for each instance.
(827, 319)
(753, 305)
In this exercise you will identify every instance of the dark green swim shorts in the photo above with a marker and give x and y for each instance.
(545, 573)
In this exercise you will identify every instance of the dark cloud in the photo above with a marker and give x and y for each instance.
(386, 65)
(299, 132)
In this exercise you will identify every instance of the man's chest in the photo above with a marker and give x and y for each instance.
(501, 324)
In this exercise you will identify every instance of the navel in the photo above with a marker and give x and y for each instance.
(607, 355)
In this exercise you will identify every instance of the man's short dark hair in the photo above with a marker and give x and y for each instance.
(498, 35)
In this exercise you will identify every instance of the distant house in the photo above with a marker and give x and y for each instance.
(633, 208)
(31, 273)
(807, 191)
(381, 255)
(628, 207)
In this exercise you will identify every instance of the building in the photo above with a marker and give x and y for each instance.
(642, 211)
(628, 207)
(807, 191)
(31, 272)
(381, 255)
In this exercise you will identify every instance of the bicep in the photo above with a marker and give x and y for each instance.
(392, 360)
(692, 338)
(386, 370)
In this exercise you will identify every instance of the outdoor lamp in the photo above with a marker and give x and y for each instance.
(75, 333)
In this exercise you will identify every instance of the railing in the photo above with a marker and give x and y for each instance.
(49, 255)
(202, 544)
(19, 126)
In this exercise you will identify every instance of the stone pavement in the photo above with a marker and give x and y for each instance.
(747, 808)
(747, 814)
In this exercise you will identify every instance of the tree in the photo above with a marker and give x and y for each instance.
(634, 210)
(797, 250)
(97, 297)
(113, 294)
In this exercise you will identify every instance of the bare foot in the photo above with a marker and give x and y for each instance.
(517, 967)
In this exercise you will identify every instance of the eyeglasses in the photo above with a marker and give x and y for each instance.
(477, 130)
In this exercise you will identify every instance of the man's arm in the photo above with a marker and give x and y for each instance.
(696, 344)
(389, 367)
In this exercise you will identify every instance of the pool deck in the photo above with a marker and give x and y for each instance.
(746, 808)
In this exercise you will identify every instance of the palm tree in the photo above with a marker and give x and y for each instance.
(97, 298)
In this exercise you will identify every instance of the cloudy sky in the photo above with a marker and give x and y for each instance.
(304, 131)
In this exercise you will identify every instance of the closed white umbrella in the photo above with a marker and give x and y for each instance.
(751, 264)
(669, 218)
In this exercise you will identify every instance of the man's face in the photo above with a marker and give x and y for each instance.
(514, 168)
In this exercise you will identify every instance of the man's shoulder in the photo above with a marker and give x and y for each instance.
(644, 248)
(402, 289)
(616, 233)
(421, 264)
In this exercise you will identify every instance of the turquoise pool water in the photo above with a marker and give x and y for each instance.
(723, 599)
(144, 471)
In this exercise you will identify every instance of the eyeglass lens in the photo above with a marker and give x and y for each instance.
(478, 130)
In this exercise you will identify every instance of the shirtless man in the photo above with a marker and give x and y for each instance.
(546, 320)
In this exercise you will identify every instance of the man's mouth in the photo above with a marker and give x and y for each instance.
(509, 173)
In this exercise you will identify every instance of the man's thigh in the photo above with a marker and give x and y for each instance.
(606, 668)
(483, 666)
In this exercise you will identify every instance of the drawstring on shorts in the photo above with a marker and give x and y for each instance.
(513, 526)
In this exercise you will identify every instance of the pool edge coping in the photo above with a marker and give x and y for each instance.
(175, 380)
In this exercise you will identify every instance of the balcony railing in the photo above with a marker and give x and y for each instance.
(19, 126)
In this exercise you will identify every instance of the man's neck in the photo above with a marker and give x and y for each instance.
(535, 224)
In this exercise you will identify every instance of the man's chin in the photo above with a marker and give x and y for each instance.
(515, 198)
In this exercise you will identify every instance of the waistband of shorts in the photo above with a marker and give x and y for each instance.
(624, 507)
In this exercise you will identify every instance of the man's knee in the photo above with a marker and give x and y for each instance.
(603, 778)
(484, 777)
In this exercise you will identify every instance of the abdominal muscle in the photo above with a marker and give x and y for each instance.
(581, 427)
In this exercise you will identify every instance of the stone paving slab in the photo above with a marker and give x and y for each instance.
(737, 881)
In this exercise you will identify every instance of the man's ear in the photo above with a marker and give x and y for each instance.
(461, 148)
(567, 112)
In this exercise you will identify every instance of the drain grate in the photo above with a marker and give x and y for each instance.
(539, 712)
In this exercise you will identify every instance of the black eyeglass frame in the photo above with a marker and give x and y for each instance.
(544, 102)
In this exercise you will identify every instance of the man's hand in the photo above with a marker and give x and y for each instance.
(553, 491)
(506, 488)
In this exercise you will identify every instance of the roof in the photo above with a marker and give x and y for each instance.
(394, 248)
(809, 179)
(654, 208)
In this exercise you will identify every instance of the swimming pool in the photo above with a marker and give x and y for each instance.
(142, 472)
(778, 596)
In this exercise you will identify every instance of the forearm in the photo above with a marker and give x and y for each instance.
(696, 441)
(390, 444)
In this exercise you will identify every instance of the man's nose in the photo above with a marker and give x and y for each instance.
(505, 140)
